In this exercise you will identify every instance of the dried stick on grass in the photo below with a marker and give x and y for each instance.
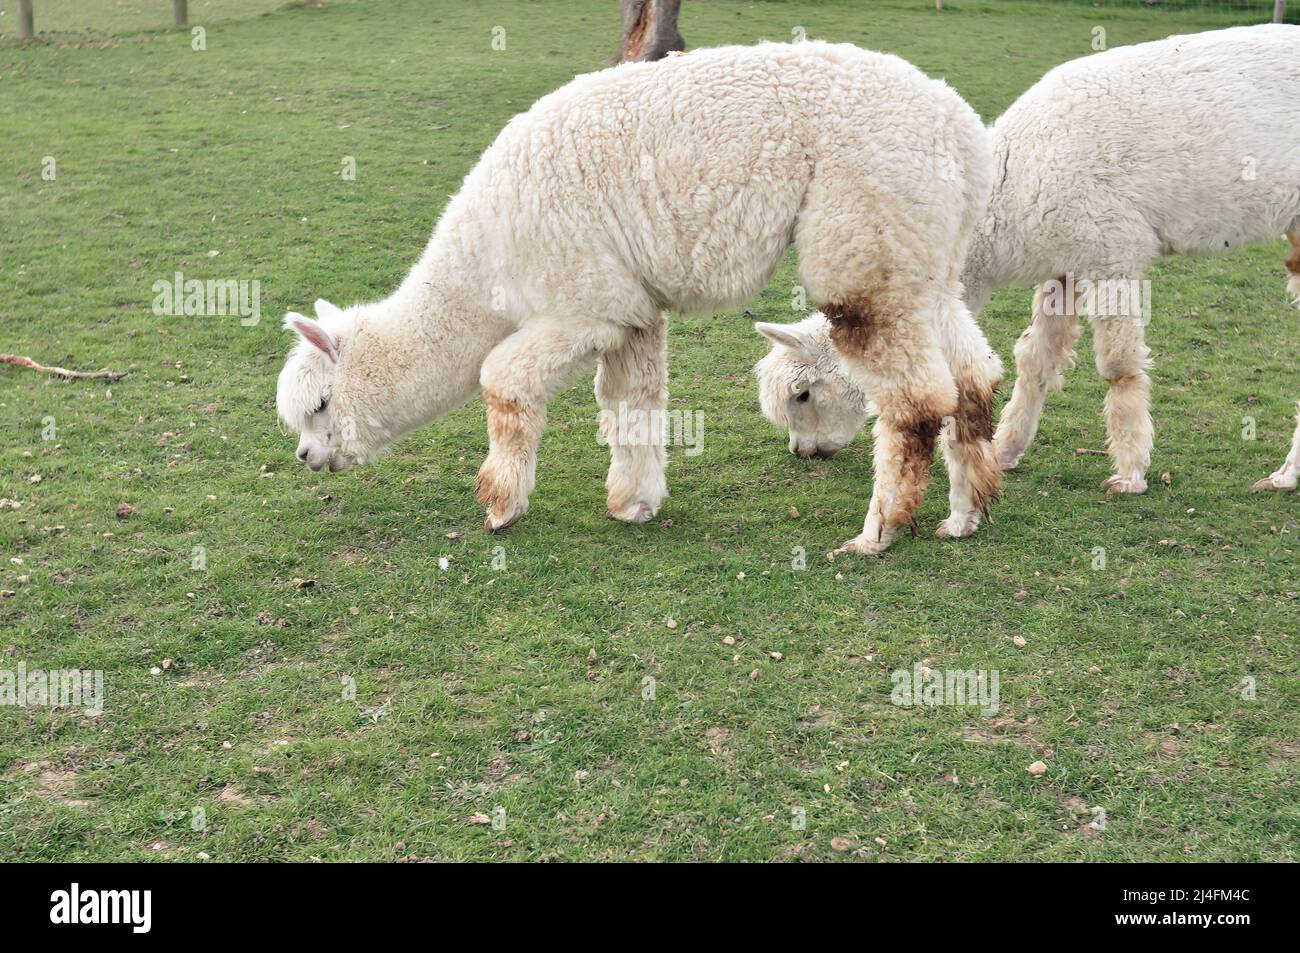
(60, 371)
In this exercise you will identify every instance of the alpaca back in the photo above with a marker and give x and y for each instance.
(1183, 145)
(679, 183)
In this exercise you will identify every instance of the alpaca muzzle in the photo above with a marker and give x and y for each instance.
(316, 455)
(813, 449)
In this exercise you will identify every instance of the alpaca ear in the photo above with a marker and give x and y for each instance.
(326, 310)
(787, 336)
(313, 334)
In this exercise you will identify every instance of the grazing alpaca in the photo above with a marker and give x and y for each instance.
(677, 184)
(1180, 146)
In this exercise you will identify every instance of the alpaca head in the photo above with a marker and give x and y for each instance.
(307, 396)
(801, 388)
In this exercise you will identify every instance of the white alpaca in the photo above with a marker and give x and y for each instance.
(678, 184)
(1180, 146)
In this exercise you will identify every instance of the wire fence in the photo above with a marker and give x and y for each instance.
(65, 18)
(105, 17)
(1236, 11)
(1261, 7)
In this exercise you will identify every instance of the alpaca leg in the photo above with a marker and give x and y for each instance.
(896, 357)
(519, 377)
(904, 435)
(974, 477)
(1122, 359)
(632, 391)
(1043, 351)
(1285, 477)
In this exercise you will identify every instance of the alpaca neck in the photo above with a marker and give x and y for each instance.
(832, 364)
(417, 354)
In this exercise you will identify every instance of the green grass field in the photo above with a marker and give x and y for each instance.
(599, 691)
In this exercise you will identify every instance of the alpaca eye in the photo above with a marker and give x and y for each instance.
(803, 397)
(324, 402)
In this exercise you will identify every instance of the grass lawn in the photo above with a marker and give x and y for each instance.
(599, 690)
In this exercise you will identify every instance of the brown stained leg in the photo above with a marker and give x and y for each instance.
(518, 378)
(912, 387)
(974, 476)
(918, 429)
(973, 436)
(1293, 262)
(1293, 266)
(514, 429)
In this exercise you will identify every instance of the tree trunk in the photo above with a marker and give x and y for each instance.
(179, 7)
(649, 30)
(26, 29)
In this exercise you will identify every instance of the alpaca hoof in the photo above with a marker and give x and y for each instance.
(1277, 481)
(1009, 458)
(634, 496)
(1008, 454)
(503, 494)
(958, 525)
(496, 523)
(1118, 484)
(862, 546)
(634, 513)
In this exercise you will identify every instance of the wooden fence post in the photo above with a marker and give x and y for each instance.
(182, 14)
(26, 30)
(1279, 11)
